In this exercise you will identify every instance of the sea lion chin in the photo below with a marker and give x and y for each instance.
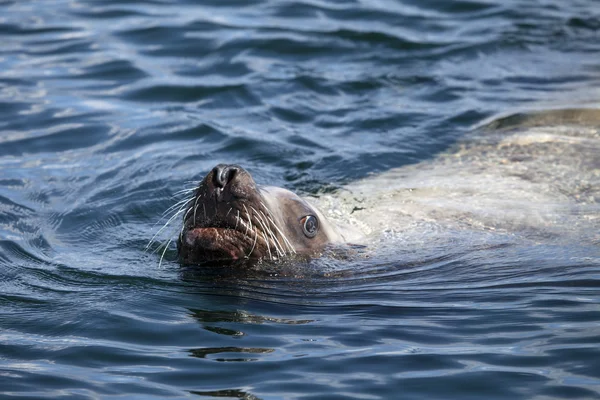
(231, 218)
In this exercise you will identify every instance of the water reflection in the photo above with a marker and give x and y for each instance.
(229, 393)
(234, 351)
(211, 316)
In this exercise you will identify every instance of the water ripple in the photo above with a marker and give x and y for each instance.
(108, 108)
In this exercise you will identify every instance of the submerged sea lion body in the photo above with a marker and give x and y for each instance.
(534, 176)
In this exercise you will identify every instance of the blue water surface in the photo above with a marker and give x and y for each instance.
(108, 108)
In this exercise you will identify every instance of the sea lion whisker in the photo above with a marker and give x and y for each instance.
(265, 229)
(270, 218)
(166, 223)
(161, 246)
(278, 247)
(183, 206)
(285, 239)
(186, 189)
(244, 223)
(183, 191)
(163, 253)
(183, 226)
(268, 247)
(174, 206)
(194, 184)
(254, 245)
(196, 207)
(267, 211)
(162, 228)
(269, 215)
(237, 221)
(248, 215)
(255, 231)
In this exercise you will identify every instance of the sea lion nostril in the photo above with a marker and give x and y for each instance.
(223, 174)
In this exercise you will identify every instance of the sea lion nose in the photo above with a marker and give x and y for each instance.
(223, 174)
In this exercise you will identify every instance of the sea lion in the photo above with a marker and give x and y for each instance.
(231, 218)
(534, 177)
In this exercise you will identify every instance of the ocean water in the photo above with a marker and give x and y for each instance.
(109, 108)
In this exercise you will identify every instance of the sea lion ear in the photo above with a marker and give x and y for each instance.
(310, 225)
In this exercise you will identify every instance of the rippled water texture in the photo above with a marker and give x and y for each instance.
(108, 108)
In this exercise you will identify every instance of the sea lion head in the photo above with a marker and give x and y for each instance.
(232, 218)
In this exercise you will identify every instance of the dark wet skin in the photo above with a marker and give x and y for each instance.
(231, 218)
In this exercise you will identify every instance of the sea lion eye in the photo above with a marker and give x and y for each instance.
(310, 225)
